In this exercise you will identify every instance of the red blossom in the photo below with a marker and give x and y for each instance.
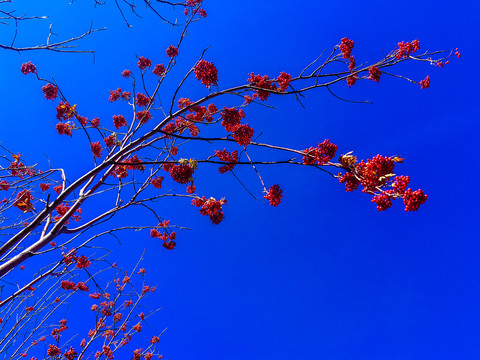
(351, 80)
(191, 189)
(383, 201)
(119, 121)
(28, 68)
(346, 47)
(65, 111)
(110, 141)
(227, 156)
(425, 83)
(83, 262)
(243, 134)
(142, 100)
(207, 73)
(143, 63)
(143, 116)
(231, 118)
(350, 181)
(274, 195)
(23, 201)
(64, 129)
(68, 285)
(82, 287)
(413, 199)
(157, 182)
(172, 51)
(211, 208)
(53, 350)
(182, 173)
(262, 82)
(283, 80)
(115, 95)
(374, 73)
(95, 122)
(126, 73)
(159, 69)
(96, 149)
(4, 185)
(50, 91)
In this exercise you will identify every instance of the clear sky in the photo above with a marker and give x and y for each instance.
(324, 275)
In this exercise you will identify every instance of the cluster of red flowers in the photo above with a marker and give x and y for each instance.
(231, 122)
(110, 140)
(211, 208)
(23, 201)
(96, 149)
(172, 51)
(119, 121)
(425, 83)
(207, 73)
(227, 156)
(274, 195)
(62, 209)
(346, 47)
(28, 68)
(374, 175)
(159, 69)
(374, 73)
(117, 94)
(143, 63)
(262, 82)
(322, 154)
(143, 116)
(167, 238)
(65, 111)
(132, 163)
(405, 48)
(181, 173)
(50, 91)
(143, 100)
(283, 80)
(157, 182)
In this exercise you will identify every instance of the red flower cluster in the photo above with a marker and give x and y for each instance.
(374, 172)
(28, 68)
(50, 91)
(64, 129)
(68, 285)
(143, 116)
(413, 199)
(65, 111)
(53, 350)
(351, 80)
(207, 73)
(227, 156)
(110, 141)
(374, 73)
(425, 83)
(283, 80)
(23, 201)
(157, 182)
(383, 201)
(405, 48)
(243, 134)
(142, 100)
(181, 173)
(321, 154)
(262, 82)
(143, 63)
(119, 121)
(172, 51)
(126, 73)
(96, 149)
(231, 118)
(374, 175)
(167, 238)
(274, 195)
(159, 70)
(346, 47)
(350, 181)
(211, 207)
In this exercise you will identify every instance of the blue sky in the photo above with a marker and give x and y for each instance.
(324, 275)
